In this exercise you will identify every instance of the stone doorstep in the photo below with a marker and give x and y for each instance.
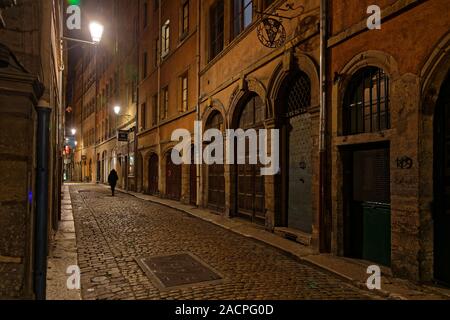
(351, 270)
(294, 235)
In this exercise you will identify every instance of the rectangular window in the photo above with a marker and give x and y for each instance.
(242, 16)
(184, 93)
(165, 39)
(155, 110)
(144, 116)
(185, 19)
(164, 103)
(145, 13)
(144, 65)
(216, 25)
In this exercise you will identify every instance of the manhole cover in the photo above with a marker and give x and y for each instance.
(177, 270)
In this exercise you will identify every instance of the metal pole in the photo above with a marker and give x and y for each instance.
(323, 226)
(41, 226)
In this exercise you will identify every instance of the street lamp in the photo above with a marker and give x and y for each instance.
(96, 30)
(117, 110)
(74, 132)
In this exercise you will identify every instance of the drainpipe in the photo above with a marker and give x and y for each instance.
(42, 179)
(323, 246)
(199, 6)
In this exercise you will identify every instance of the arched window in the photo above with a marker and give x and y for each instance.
(366, 102)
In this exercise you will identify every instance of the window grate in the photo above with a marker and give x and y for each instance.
(366, 103)
(299, 96)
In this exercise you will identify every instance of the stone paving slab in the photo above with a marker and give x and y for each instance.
(63, 253)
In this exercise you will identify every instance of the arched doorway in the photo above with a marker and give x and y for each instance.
(442, 185)
(216, 172)
(173, 178)
(296, 150)
(250, 190)
(193, 179)
(153, 177)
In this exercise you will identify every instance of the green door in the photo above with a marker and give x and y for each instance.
(377, 233)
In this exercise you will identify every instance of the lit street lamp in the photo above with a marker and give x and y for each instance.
(117, 110)
(74, 132)
(96, 30)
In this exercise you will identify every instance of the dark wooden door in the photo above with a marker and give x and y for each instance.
(216, 172)
(250, 183)
(193, 180)
(369, 220)
(216, 187)
(173, 179)
(442, 187)
(153, 177)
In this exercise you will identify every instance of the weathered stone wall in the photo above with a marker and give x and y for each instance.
(410, 33)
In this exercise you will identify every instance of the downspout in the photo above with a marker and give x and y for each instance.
(199, 176)
(42, 180)
(323, 245)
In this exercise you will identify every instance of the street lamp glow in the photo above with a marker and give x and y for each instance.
(76, 143)
(96, 30)
(74, 131)
(117, 110)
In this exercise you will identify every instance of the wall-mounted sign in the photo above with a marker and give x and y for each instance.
(122, 136)
(271, 33)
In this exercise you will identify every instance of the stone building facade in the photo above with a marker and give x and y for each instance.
(168, 91)
(108, 74)
(386, 88)
(31, 82)
(245, 84)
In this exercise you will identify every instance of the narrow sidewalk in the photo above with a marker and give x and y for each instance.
(63, 254)
(353, 271)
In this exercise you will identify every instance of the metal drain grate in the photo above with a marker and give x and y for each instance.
(179, 270)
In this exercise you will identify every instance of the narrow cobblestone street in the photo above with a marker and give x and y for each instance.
(112, 232)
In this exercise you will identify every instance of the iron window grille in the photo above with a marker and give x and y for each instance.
(366, 102)
(299, 96)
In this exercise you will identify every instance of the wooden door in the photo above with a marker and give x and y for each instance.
(173, 179)
(442, 187)
(153, 176)
(250, 183)
(216, 172)
(193, 180)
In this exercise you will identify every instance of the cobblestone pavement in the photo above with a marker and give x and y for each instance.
(112, 232)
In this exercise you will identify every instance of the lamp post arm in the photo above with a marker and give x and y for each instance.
(79, 41)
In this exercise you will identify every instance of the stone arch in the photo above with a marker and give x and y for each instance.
(302, 63)
(247, 87)
(214, 105)
(432, 76)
